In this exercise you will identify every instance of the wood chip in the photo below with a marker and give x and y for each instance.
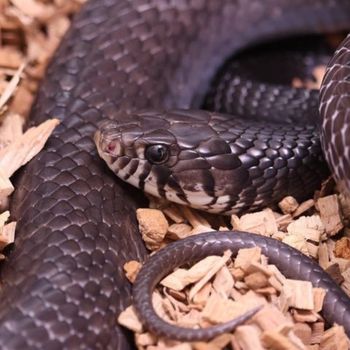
(346, 284)
(145, 339)
(11, 87)
(217, 267)
(179, 231)
(317, 332)
(220, 310)
(194, 218)
(263, 223)
(271, 317)
(180, 278)
(129, 319)
(246, 256)
(256, 280)
(223, 282)
(310, 227)
(276, 340)
(319, 295)
(288, 205)
(334, 338)
(342, 248)
(6, 187)
(305, 316)
(201, 297)
(4, 217)
(303, 331)
(297, 241)
(7, 234)
(330, 214)
(22, 150)
(304, 207)
(153, 226)
(131, 269)
(173, 213)
(302, 294)
(10, 58)
(11, 129)
(323, 256)
(217, 343)
(248, 338)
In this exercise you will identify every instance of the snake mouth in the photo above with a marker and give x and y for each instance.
(107, 146)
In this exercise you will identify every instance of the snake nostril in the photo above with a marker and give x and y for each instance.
(111, 147)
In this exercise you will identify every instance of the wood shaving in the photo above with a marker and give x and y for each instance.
(30, 31)
(153, 226)
(276, 326)
(131, 269)
(216, 297)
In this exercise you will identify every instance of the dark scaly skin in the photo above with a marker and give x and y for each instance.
(291, 263)
(217, 162)
(63, 284)
(335, 112)
(246, 86)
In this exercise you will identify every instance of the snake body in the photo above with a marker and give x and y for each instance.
(63, 284)
(294, 264)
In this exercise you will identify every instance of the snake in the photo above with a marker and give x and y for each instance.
(63, 282)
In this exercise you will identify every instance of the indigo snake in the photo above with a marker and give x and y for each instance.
(63, 283)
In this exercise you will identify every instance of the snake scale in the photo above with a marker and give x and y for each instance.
(63, 283)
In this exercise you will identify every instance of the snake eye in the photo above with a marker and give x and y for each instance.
(157, 154)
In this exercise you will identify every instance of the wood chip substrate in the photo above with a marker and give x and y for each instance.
(217, 288)
(30, 32)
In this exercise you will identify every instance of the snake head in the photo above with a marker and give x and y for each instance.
(141, 151)
(177, 155)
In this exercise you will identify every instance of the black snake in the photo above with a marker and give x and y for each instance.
(63, 284)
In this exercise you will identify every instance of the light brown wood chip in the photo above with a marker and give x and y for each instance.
(179, 231)
(317, 332)
(319, 295)
(217, 343)
(310, 227)
(220, 310)
(153, 226)
(288, 205)
(303, 207)
(22, 150)
(330, 214)
(246, 256)
(303, 331)
(7, 234)
(217, 267)
(223, 282)
(11, 87)
(248, 337)
(301, 292)
(145, 339)
(131, 269)
(334, 339)
(262, 222)
(11, 129)
(4, 217)
(342, 248)
(276, 340)
(129, 319)
(271, 317)
(180, 278)
(6, 187)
